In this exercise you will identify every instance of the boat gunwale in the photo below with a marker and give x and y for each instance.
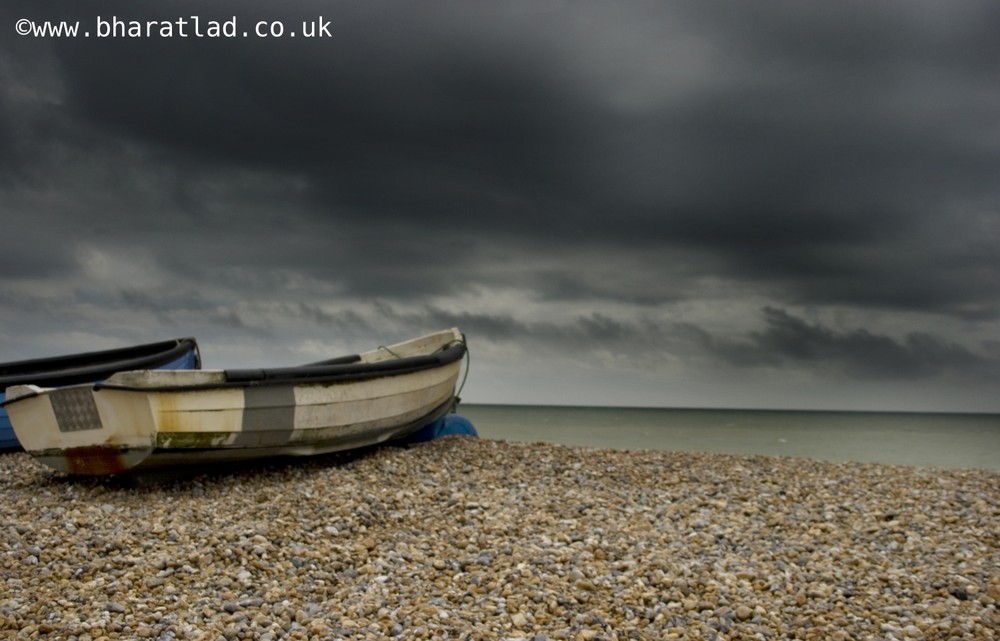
(313, 374)
(84, 367)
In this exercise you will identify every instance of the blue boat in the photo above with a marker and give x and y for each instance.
(91, 367)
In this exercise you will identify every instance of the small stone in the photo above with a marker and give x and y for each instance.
(937, 608)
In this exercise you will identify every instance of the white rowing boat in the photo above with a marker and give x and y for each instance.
(152, 419)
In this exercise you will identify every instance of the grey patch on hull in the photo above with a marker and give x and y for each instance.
(75, 409)
(268, 415)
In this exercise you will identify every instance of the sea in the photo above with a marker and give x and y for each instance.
(950, 441)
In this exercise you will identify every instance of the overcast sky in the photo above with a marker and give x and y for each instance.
(716, 204)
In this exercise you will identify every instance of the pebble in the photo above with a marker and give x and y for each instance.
(474, 538)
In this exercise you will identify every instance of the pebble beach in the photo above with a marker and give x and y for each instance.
(465, 538)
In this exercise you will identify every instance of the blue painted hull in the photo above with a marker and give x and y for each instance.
(7, 439)
(91, 367)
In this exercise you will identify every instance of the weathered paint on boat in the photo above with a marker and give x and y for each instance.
(90, 367)
(147, 420)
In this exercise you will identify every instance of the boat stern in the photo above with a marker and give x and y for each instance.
(69, 430)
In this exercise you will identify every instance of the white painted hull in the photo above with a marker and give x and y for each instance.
(151, 419)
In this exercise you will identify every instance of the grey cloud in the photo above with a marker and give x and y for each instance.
(596, 156)
(790, 340)
(787, 341)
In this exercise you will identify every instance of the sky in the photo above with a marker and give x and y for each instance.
(772, 204)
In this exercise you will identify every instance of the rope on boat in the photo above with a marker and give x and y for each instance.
(390, 351)
(468, 363)
(468, 366)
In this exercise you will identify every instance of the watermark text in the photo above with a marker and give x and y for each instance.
(111, 27)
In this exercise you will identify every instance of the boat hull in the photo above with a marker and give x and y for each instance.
(90, 367)
(141, 421)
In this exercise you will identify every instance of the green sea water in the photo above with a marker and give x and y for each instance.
(927, 440)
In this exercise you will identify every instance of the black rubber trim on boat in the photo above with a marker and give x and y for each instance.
(340, 360)
(321, 373)
(74, 369)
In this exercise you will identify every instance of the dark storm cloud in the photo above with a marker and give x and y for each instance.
(786, 341)
(805, 147)
(855, 353)
(603, 155)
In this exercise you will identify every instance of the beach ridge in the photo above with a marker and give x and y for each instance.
(464, 538)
